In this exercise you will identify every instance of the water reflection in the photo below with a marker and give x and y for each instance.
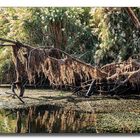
(46, 119)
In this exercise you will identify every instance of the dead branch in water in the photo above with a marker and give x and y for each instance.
(16, 96)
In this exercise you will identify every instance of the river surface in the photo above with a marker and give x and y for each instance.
(51, 111)
(32, 117)
(45, 119)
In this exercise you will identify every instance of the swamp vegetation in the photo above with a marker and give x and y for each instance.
(89, 51)
(97, 114)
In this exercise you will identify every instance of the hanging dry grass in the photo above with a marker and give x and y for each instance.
(59, 67)
(62, 69)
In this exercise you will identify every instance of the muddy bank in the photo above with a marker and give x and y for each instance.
(96, 103)
(38, 97)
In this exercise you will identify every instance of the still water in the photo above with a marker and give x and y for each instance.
(46, 119)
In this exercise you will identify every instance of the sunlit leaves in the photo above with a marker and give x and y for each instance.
(117, 34)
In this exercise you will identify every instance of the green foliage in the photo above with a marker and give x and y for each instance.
(125, 34)
(12, 20)
(6, 65)
(118, 36)
(68, 29)
(65, 28)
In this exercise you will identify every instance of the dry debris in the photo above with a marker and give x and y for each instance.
(62, 70)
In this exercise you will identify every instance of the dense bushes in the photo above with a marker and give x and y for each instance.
(118, 36)
(6, 66)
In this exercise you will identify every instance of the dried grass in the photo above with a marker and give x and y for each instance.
(59, 67)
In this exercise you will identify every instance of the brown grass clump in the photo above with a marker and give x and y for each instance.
(59, 67)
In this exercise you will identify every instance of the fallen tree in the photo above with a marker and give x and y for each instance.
(57, 66)
(120, 78)
(63, 70)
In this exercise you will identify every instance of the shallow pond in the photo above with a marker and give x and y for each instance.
(51, 111)
(45, 119)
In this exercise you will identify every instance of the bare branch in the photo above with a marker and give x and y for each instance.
(4, 45)
(7, 40)
(133, 17)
